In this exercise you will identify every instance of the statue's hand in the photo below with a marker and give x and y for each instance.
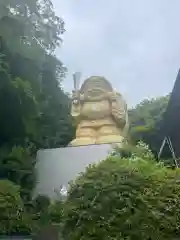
(116, 112)
(75, 107)
(119, 116)
(112, 96)
(75, 95)
(118, 109)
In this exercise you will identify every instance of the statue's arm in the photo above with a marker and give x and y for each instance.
(77, 99)
(75, 110)
(119, 110)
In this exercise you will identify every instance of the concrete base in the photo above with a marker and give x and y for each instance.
(57, 167)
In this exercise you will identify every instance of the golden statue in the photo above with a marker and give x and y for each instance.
(100, 113)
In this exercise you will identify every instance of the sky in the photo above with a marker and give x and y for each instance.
(133, 44)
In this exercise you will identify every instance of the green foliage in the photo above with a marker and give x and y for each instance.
(35, 111)
(31, 74)
(13, 219)
(30, 24)
(41, 203)
(124, 198)
(44, 213)
(17, 165)
(140, 150)
(145, 121)
(56, 120)
(17, 94)
(56, 212)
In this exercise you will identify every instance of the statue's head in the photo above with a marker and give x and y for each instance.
(95, 86)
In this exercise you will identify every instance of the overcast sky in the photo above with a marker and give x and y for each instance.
(134, 44)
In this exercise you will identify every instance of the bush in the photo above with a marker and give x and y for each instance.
(41, 203)
(124, 199)
(141, 150)
(45, 213)
(13, 219)
(56, 212)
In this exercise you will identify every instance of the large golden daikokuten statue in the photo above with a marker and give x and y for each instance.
(100, 113)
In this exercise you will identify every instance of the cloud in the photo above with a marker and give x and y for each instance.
(134, 44)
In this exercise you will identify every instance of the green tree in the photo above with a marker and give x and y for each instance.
(145, 121)
(30, 24)
(13, 219)
(56, 120)
(38, 113)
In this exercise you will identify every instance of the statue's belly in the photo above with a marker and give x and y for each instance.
(96, 110)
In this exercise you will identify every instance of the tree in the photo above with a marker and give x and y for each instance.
(13, 219)
(38, 113)
(145, 122)
(30, 24)
(56, 120)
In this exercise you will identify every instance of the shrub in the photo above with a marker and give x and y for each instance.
(141, 150)
(13, 219)
(124, 199)
(41, 203)
(44, 212)
(56, 212)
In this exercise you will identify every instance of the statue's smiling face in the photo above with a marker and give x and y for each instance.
(96, 104)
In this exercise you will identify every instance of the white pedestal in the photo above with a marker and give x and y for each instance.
(57, 167)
